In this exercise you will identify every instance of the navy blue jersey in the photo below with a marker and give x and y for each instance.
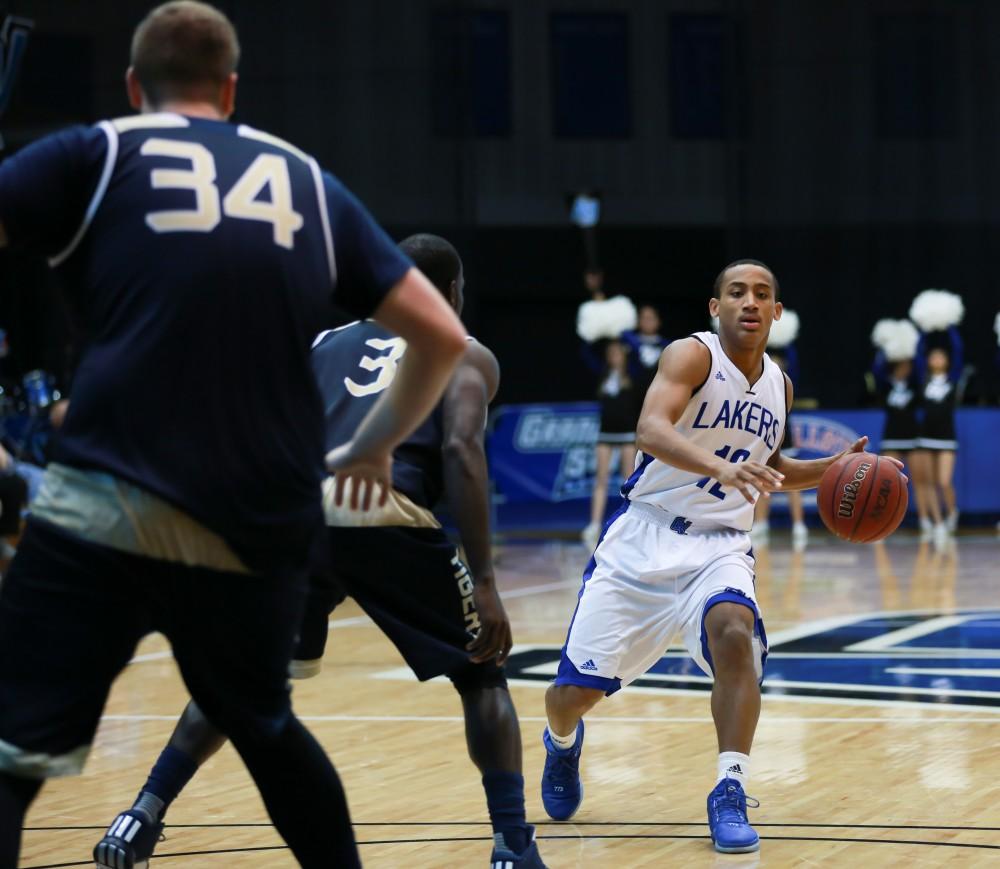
(200, 258)
(353, 365)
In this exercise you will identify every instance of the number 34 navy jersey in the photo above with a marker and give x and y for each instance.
(200, 257)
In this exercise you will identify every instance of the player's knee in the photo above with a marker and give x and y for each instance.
(731, 643)
(573, 698)
(478, 677)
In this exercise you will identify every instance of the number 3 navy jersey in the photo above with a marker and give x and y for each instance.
(727, 416)
(200, 258)
(353, 365)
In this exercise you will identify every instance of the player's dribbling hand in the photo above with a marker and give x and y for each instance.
(494, 639)
(859, 447)
(366, 475)
(750, 478)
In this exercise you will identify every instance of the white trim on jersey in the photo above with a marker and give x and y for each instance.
(260, 136)
(102, 185)
(153, 121)
(324, 218)
(326, 332)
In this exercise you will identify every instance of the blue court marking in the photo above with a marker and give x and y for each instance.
(983, 633)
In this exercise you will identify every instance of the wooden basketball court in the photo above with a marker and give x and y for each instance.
(879, 750)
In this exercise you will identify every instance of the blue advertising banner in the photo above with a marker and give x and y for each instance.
(544, 453)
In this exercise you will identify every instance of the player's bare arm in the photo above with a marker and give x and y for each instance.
(466, 482)
(435, 341)
(682, 369)
(806, 474)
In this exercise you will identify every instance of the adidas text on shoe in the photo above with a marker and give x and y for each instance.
(562, 790)
(128, 843)
(727, 819)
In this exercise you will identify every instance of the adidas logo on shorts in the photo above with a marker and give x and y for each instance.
(588, 665)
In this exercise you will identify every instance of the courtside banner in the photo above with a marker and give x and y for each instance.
(545, 452)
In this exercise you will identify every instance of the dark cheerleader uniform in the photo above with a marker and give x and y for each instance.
(901, 426)
(618, 416)
(937, 430)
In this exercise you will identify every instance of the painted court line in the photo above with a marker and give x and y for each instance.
(765, 721)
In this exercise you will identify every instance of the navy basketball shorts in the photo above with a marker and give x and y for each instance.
(648, 583)
(71, 614)
(411, 582)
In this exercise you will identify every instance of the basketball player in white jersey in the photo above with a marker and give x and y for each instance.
(676, 557)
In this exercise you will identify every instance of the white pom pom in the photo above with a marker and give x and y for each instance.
(897, 339)
(784, 331)
(605, 319)
(996, 327)
(883, 331)
(933, 310)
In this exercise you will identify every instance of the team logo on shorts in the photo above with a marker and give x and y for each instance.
(923, 656)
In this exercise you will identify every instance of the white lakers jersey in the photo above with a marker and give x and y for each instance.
(729, 417)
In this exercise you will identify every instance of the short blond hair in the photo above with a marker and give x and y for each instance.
(184, 48)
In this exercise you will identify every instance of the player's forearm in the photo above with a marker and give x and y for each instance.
(467, 493)
(662, 441)
(800, 474)
(417, 387)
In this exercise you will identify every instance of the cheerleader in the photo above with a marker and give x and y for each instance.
(897, 385)
(938, 314)
(603, 320)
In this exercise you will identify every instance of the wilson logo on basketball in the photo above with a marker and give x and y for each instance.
(846, 507)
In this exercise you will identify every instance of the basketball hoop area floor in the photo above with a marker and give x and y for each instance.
(877, 746)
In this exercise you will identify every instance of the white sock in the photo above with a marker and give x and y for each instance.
(562, 742)
(734, 765)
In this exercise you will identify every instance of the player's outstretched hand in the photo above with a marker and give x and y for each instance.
(750, 477)
(494, 638)
(366, 474)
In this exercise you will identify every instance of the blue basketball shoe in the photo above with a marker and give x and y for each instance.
(503, 858)
(562, 790)
(128, 843)
(727, 818)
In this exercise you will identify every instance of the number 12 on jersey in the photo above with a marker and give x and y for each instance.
(722, 453)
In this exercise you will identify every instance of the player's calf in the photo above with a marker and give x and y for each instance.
(493, 737)
(562, 787)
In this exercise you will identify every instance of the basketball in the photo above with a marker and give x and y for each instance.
(862, 497)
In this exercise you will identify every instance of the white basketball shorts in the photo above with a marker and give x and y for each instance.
(654, 576)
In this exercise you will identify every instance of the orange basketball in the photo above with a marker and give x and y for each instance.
(862, 497)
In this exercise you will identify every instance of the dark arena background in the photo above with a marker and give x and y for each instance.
(853, 147)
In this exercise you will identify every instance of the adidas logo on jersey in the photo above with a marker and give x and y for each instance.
(720, 376)
(588, 665)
